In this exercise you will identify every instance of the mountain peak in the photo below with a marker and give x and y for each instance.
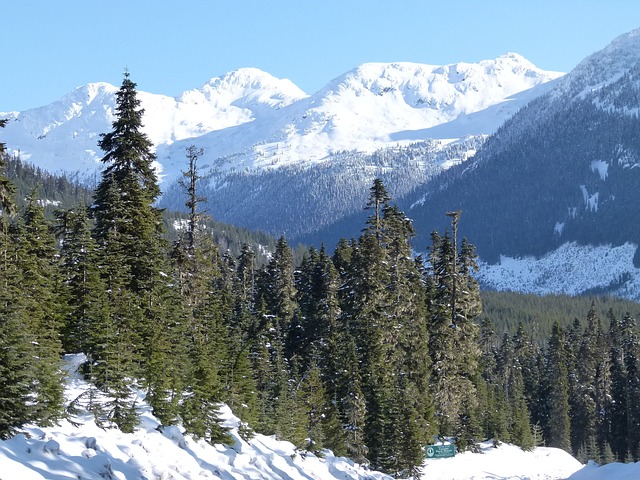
(245, 86)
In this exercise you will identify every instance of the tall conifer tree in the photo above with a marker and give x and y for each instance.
(558, 428)
(128, 230)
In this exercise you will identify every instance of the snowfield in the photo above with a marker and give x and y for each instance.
(78, 449)
(572, 269)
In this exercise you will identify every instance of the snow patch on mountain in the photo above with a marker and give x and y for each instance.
(572, 269)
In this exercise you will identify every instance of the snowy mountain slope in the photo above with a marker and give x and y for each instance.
(254, 120)
(63, 136)
(374, 106)
(571, 269)
(602, 67)
(78, 449)
(557, 183)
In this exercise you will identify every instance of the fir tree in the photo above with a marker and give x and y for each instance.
(453, 302)
(243, 336)
(128, 231)
(378, 199)
(583, 408)
(84, 286)
(17, 376)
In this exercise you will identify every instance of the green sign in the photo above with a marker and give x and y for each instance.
(440, 451)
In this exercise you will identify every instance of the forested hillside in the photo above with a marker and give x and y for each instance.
(563, 169)
(367, 350)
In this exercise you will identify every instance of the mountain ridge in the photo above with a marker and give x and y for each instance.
(265, 122)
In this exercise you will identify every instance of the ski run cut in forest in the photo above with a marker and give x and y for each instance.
(126, 355)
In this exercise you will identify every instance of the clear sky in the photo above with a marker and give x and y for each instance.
(49, 47)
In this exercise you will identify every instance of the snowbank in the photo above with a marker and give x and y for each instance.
(79, 449)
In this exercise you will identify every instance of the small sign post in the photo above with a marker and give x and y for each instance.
(440, 451)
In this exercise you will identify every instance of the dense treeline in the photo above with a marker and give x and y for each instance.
(509, 310)
(368, 351)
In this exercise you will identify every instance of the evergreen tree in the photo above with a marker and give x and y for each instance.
(311, 394)
(454, 303)
(128, 231)
(41, 300)
(617, 415)
(243, 337)
(7, 189)
(85, 289)
(529, 357)
(200, 338)
(378, 199)
(16, 340)
(125, 196)
(558, 422)
(631, 347)
(278, 289)
(584, 403)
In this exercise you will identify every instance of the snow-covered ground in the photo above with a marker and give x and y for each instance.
(572, 269)
(78, 449)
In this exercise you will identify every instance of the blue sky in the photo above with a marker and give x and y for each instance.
(169, 46)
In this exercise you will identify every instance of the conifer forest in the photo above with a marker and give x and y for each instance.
(365, 349)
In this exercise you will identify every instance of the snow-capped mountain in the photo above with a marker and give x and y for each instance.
(551, 200)
(249, 119)
(374, 106)
(62, 137)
